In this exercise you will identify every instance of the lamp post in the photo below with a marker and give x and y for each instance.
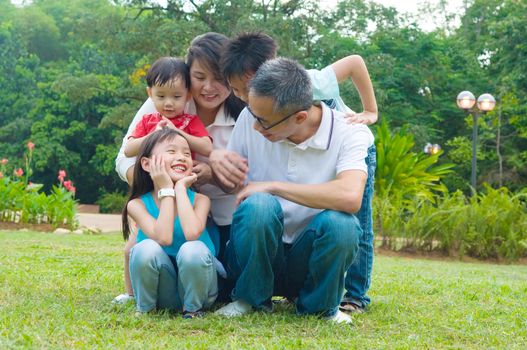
(486, 103)
(432, 149)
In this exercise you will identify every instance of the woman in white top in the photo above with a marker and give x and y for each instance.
(216, 106)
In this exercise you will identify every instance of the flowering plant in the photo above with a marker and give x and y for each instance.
(22, 202)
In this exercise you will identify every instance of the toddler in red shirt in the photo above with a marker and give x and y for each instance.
(168, 81)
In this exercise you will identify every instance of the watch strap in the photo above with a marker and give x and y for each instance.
(166, 192)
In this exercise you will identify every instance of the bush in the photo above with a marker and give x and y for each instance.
(492, 224)
(21, 203)
(112, 202)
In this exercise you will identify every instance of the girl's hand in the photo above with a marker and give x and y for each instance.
(187, 181)
(159, 173)
(365, 117)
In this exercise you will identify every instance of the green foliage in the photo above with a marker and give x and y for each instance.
(402, 172)
(492, 224)
(68, 75)
(112, 202)
(21, 203)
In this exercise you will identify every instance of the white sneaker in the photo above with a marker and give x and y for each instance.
(234, 309)
(340, 318)
(123, 299)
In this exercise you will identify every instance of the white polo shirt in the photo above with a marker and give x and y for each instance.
(335, 147)
(222, 205)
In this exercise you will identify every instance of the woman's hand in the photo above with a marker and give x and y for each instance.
(186, 182)
(203, 171)
(159, 173)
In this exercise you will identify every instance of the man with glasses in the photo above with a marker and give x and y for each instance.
(299, 172)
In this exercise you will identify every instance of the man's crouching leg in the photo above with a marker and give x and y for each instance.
(318, 260)
(255, 248)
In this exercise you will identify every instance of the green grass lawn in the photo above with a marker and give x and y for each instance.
(55, 292)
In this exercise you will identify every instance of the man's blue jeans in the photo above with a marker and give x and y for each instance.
(187, 282)
(358, 277)
(312, 268)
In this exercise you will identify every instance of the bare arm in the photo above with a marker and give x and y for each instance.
(123, 163)
(192, 219)
(160, 230)
(355, 68)
(201, 145)
(131, 148)
(342, 194)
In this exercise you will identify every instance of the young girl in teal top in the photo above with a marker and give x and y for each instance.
(172, 266)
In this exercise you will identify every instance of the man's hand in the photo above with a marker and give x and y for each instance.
(253, 187)
(366, 118)
(203, 171)
(229, 168)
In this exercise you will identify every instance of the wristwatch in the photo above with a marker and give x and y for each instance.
(166, 192)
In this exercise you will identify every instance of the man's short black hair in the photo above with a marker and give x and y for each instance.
(166, 69)
(246, 53)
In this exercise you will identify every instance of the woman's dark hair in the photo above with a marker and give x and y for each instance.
(142, 182)
(207, 49)
(166, 69)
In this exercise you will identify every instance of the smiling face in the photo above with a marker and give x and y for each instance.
(208, 92)
(176, 156)
(170, 98)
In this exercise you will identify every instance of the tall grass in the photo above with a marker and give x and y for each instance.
(492, 224)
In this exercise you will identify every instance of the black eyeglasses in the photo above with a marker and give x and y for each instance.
(267, 126)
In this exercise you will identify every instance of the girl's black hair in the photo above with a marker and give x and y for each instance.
(207, 49)
(166, 69)
(142, 182)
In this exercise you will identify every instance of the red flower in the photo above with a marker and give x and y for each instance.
(62, 175)
(30, 145)
(18, 172)
(73, 189)
(68, 185)
(4, 161)
(1, 174)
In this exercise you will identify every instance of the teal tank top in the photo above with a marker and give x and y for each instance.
(179, 237)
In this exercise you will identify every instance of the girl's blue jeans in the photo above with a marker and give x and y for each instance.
(311, 269)
(187, 282)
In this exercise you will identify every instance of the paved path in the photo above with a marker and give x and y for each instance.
(103, 222)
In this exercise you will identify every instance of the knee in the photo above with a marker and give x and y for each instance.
(145, 252)
(259, 208)
(343, 229)
(194, 254)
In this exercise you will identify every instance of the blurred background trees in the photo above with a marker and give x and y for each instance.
(71, 75)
